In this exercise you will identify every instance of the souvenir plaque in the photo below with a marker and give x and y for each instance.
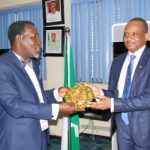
(80, 95)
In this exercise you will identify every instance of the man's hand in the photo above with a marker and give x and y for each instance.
(95, 89)
(68, 108)
(62, 91)
(104, 104)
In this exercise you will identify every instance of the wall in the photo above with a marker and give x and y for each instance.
(14, 3)
(54, 65)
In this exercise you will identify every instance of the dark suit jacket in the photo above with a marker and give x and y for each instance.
(20, 109)
(138, 103)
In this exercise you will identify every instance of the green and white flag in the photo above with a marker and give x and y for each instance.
(69, 81)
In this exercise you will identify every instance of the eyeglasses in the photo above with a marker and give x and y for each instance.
(133, 35)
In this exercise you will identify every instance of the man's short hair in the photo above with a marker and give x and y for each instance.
(17, 28)
(142, 21)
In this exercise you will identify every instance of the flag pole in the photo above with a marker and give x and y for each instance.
(65, 120)
(67, 30)
(70, 132)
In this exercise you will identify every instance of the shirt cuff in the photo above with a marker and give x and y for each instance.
(112, 105)
(101, 92)
(56, 95)
(55, 111)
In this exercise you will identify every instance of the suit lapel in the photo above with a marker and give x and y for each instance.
(39, 78)
(118, 67)
(37, 73)
(140, 66)
(15, 62)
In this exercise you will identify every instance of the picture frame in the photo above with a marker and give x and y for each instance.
(53, 12)
(53, 43)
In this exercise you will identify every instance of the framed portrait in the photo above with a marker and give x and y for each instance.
(53, 41)
(53, 12)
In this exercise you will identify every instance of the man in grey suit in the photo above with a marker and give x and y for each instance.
(25, 107)
(128, 93)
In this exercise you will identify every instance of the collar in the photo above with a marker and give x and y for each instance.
(138, 53)
(22, 60)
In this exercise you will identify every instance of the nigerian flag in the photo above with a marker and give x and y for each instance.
(69, 81)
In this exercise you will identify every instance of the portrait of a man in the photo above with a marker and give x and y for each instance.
(53, 11)
(53, 39)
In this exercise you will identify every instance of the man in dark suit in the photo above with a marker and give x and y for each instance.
(128, 96)
(24, 105)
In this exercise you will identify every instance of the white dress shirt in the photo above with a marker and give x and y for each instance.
(55, 107)
(122, 77)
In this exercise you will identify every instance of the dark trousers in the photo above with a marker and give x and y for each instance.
(124, 138)
(44, 144)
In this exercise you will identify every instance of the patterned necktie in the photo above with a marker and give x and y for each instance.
(26, 62)
(127, 86)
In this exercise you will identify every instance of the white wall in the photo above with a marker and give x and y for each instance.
(14, 3)
(54, 65)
